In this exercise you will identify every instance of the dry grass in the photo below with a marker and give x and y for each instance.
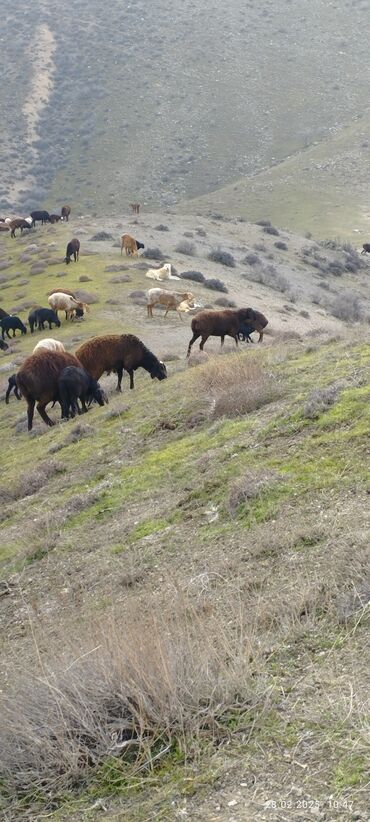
(236, 384)
(131, 694)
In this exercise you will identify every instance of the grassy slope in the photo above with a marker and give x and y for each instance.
(321, 189)
(140, 507)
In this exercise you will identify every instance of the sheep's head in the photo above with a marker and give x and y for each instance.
(67, 260)
(159, 371)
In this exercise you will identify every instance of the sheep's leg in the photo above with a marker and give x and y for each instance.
(84, 408)
(119, 381)
(222, 339)
(203, 341)
(131, 374)
(41, 409)
(260, 331)
(30, 410)
(194, 337)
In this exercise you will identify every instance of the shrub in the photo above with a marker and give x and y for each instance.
(319, 401)
(153, 254)
(215, 285)
(347, 306)
(195, 276)
(201, 232)
(270, 229)
(161, 227)
(263, 223)
(100, 236)
(251, 259)
(260, 247)
(185, 247)
(281, 246)
(223, 302)
(222, 257)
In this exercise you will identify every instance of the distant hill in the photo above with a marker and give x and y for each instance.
(167, 102)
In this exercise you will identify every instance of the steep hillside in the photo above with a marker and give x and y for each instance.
(104, 109)
(184, 579)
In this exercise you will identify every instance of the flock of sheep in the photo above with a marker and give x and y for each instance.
(51, 374)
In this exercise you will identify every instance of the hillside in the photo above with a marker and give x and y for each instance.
(184, 579)
(100, 110)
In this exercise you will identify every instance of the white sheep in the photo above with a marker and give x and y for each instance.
(163, 273)
(50, 344)
(171, 299)
(65, 302)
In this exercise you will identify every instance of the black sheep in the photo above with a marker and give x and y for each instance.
(11, 324)
(40, 217)
(73, 249)
(47, 315)
(12, 385)
(76, 384)
(244, 332)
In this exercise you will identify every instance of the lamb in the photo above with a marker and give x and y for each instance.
(50, 344)
(73, 248)
(65, 212)
(130, 245)
(39, 217)
(19, 222)
(54, 218)
(40, 316)
(76, 384)
(65, 302)
(12, 386)
(224, 323)
(118, 353)
(163, 273)
(258, 324)
(38, 380)
(171, 299)
(11, 324)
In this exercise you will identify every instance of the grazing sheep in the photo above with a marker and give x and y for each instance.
(73, 248)
(65, 212)
(76, 384)
(12, 386)
(19, 222)
(39, 217)
(41, 316)
(163, 273)
(54, 218)
(257, 324)
(3, 346)
(171, 299)
(118, 353)
(38, 380)
(225, 323)
(32, 317)
(11, 324)
(365, 248)
(49, 344)
(130, 245)
(135, 207)
(65, 302)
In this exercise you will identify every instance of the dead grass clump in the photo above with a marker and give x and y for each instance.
(86, 296)
(195, 276)
(248, 487)
(236, 384)
(320, 400)
(80, 430)
(153, 254)
(127, 695)
(161, 227)
(214, 284)
(31, 482)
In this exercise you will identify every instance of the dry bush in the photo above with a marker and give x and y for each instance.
(248, 487)
(214, 284)
(186, 247)
(195, 276)
(127, 694)
(236, 384)
(222, 257)
(161, 227)
(32, 481)
(347, 306)
(153, 254)
(320, 400)
(270, 229)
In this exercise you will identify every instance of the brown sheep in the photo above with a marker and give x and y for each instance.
(19, 222)
(37, 380)
(129, 244)
(224, 323)
(135, 207)
(118, 353)
(73, 249)
(66, 210)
